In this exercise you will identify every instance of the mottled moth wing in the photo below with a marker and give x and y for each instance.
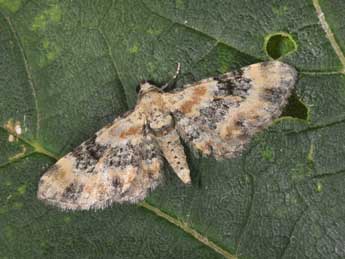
(121, 163)
(218, 116)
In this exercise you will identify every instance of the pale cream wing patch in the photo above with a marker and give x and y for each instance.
(121, 163)
(218, 116)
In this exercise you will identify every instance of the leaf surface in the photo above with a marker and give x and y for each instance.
(69, 67)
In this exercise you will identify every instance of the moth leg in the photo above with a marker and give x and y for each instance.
(173, 151)
(171, 84)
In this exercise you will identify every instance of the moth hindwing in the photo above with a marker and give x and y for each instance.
(123, 161)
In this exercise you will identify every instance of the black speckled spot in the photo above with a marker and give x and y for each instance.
(210, 115)
(129, 154)
(274, 95)
(233, 83)
(244, 126)
(239, 123)
(215, 112)
(73, 191)
(88, 154)
(116, 183)
(122, 156)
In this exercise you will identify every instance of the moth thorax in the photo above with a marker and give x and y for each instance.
(161, 123)
(146, 87)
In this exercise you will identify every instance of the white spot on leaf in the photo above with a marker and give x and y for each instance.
(18, 129)
(14, 129)
(11, 138)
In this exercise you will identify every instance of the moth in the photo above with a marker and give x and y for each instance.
(217, 117)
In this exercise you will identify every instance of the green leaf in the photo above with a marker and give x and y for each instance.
(69, 67)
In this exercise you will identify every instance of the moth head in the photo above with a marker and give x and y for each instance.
(145, 87)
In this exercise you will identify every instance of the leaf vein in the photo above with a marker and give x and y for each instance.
(292, 231)
(17, 159)
(115, 67)
(196, 30)
(35, 145)
(317, 127)
(329, 33)
(321, 73)
(339, 172)
(182, 225)
(249, 209)
(27, 71)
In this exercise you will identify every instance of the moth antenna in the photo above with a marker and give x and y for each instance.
(178, 70)
(172, 81)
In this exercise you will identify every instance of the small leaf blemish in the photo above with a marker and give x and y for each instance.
(180, 4)
(21, 189)
(18, 155)
(18, 129)
(11, 5)
(154, 32)
(318, 187)
(67, 219)
(134, 49)
(279, 44)
(280, 10)
(11, 138)
(14, 129)
(3, 210)
(18, 205)
(52, 14)
(267, 154)
(39, 23)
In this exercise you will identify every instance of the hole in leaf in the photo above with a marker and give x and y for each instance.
(295, 108)
(279, 44)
